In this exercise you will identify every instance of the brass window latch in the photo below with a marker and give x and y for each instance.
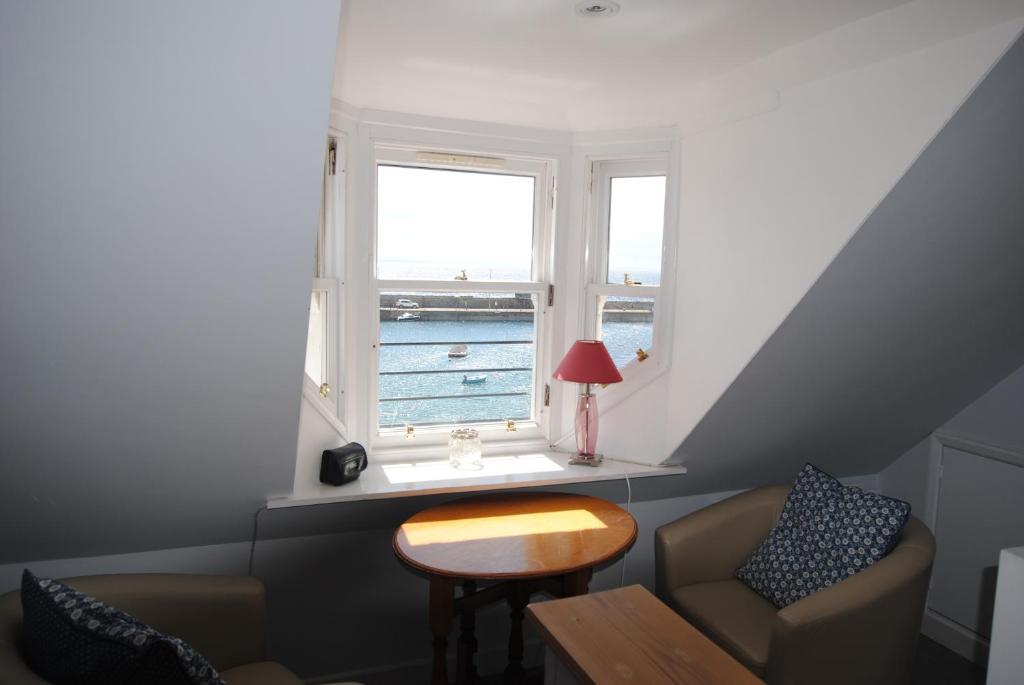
(641, 355)
(510, 426)
(325, 390)
(410, 432)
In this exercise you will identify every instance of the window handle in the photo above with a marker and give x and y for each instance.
(325, 390)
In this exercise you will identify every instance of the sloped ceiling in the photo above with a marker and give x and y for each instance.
(657, 62)
(538, 63)
(919, 314)
(159, 192)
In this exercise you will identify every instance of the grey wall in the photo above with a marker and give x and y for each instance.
(919, 314)
(340, 602)
(342, 605)
(158, 204)
(967, 484)
(158, 199)
(996, 419)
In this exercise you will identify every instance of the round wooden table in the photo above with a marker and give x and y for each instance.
(507, 547)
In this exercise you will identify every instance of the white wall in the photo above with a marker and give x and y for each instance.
(768, 201)
(1006, 662)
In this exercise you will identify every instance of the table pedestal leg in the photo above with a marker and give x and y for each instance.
(442, 611)
(518, 597)
(577, 582)
(466, 674)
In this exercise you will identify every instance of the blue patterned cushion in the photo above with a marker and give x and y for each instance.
(73, 639)
(827, 533)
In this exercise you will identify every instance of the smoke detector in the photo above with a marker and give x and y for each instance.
(597, 8)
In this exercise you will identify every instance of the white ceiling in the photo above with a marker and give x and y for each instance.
(507, 59)
(536, 63)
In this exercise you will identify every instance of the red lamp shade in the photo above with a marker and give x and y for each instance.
(588, 361)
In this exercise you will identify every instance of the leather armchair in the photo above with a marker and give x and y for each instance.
(223, 617)
(861, 630)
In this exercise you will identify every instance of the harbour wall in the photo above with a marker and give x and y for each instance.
(474, 307)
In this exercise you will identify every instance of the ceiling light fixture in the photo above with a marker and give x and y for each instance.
(590, 8)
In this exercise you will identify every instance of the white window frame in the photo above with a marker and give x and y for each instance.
(326, 279)
(655, 159)
(543, 170)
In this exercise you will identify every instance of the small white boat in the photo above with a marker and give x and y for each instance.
(458, 352)
(474, 379)
(408, 316)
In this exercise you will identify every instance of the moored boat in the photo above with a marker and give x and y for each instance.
(473, 379)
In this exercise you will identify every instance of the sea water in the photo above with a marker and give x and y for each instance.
(465, 403)
(460, 402)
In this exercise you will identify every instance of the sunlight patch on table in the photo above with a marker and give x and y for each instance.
(509, 525)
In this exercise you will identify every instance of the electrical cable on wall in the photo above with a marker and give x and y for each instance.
(629, 501)
(255, 530)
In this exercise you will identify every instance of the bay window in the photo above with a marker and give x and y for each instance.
(460, 285)
(433, 294)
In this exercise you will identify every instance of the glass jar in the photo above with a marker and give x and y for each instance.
(464, 449)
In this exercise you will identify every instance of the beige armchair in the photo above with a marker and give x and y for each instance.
(224, 618)
(862, 630)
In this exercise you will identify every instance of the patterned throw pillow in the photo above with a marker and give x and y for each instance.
(827, 533)
(73, 639)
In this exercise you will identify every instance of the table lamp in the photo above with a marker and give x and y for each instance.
(587, 361)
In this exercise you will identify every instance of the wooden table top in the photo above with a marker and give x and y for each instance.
(514, 535)
(628, 636)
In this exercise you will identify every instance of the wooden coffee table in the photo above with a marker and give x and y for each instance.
(628, 636)
(507, 547)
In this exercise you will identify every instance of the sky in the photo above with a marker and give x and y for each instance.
(432, 223)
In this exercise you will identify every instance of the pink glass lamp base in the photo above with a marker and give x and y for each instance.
(586, 431)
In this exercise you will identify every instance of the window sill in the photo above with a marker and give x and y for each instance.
(384, 480)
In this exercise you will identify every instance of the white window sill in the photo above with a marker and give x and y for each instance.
(383, 480)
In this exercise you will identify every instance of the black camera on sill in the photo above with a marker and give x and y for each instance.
(342, 464)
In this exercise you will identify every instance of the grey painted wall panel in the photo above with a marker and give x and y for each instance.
(997, 417)
(919, 314)
(159, 191)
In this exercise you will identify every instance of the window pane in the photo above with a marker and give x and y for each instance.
(636, 224)
(436, 223)
(316, 340)
(627, 323)
(453, 358)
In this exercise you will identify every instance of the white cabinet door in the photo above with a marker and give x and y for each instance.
(980, 511)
